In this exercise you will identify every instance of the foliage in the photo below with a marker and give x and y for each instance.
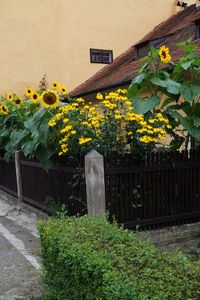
(110, 127)
(88, 258)
(24, 122)
(42, 126)
(55, 208)
(177, 87)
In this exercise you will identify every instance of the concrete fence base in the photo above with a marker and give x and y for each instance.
(186, 237)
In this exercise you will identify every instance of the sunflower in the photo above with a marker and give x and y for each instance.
(17, 101)
(34, 97)
(9, 96)
(55, 85)
(164, 54)
(63, 89)
(50, 99)
(3, 110)
(29, 92)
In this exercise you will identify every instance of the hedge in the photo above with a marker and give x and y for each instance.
(90, 259)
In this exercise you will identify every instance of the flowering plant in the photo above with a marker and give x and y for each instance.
(174, 88)
(110, 127)
(24, 121)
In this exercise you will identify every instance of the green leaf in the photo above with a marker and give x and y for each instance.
(166, 102)
(29, 147)
(187, 124)
(196, 121)
(42, 133)
(158, 81)
(43, 155)
(142, 106)
(16, 136)
(171, 85)
(138, 79)
(184, 43)
(135, 89)
(4, 132)
(189, 92)
(185, 65)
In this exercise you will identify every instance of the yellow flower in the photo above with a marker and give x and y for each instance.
(84, 140)
(9, 96)
(55, 85)
(147, 139)
(143, 123)
(58, 116)
(28, 92)
(63, 89)
(66, 129)
(3, 110)
(17, 101)
(99, 96)
(117, 117)
(34, 97)
(169, 126)
(164, 54)
(65, 120)
(64, 148)
(50, 99)
(80, 100)
(52, 123)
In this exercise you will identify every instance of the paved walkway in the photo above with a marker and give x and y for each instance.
(19, 244)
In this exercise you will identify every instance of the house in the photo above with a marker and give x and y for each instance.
(70, 40)
(120, 72)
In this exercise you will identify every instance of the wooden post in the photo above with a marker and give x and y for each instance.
(95, 186)
(19, 180)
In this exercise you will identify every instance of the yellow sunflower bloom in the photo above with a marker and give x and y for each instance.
(63, 89)
(164, 54)
(50, 99)
(29, 92)
(34, 97)
(3, 110)
(55, 85)
(9, 96)
(17, 101)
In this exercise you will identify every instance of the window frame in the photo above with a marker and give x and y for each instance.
(102, 51)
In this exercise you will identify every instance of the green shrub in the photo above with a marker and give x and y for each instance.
(89, 259)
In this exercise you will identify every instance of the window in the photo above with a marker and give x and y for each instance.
(157, 42)
(197, 23)
(101, 56)
(142, 50)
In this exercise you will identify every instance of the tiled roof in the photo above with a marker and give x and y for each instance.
(175, 29)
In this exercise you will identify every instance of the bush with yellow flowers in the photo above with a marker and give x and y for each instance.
(24, 121)
(110, 127)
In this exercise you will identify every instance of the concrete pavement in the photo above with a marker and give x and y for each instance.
(19, 245)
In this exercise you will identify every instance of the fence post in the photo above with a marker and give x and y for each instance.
(95, 185)
(19, 179)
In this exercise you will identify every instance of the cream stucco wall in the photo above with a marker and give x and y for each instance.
(54, 36)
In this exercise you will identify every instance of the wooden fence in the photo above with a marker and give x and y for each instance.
(164, 190)
(161, 190)
(63, 183)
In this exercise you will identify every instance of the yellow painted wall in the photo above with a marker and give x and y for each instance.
(54, 36)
